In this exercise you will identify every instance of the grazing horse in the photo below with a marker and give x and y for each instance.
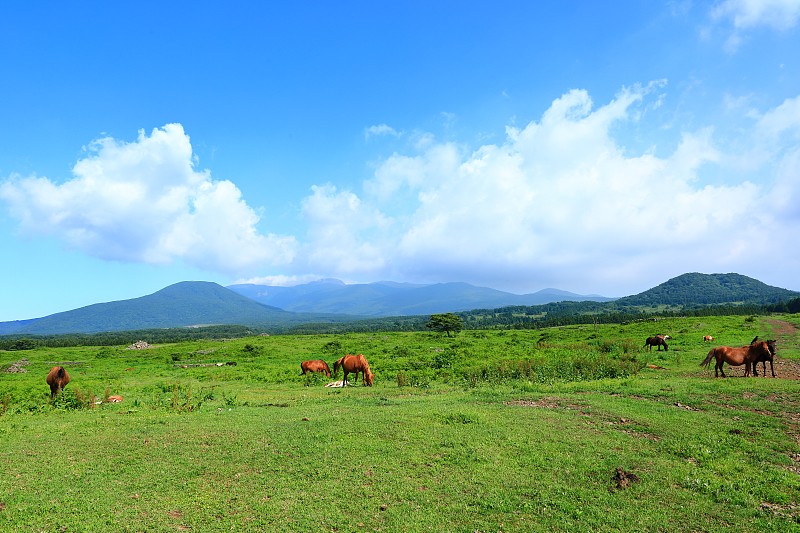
(746, 355)
(57, 379)
(657, 340)
(763, 358)
(317, 365)
(708, 338)
(353, 364)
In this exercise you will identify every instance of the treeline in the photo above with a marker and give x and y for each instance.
(123, 338)
(512, 317)
(792, 306)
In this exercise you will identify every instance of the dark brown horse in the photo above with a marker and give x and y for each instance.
(746, 355)
(57, 379)
(317, 365)
(657, 340)
(353, 364)
(763, 358)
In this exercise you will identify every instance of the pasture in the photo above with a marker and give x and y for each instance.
(576, 428)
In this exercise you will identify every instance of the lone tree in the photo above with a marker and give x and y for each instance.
(445, 322)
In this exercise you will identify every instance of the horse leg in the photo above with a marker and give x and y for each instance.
(771, 368)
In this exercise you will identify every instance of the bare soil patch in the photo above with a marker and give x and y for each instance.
(784, 369)
(623, 479)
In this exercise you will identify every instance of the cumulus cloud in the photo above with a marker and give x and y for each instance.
(560, 203)
(342, 232)
(144, 201)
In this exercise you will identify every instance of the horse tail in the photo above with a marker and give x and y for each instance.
(709, 357)
(336, 366)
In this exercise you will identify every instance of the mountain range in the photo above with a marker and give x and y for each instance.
(198, 303)
(387, 298)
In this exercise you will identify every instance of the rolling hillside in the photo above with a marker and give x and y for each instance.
(696, 289)
(185, 304)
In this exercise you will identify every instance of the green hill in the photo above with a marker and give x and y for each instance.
(694, 289)
(185, 304)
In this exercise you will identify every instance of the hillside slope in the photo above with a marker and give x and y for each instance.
(189, 303)
(695, 289)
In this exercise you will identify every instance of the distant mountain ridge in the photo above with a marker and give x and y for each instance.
(384, 298)
(198, 303)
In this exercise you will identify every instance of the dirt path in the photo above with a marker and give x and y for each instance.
(786, 334)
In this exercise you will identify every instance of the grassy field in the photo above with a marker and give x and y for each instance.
(565, 429)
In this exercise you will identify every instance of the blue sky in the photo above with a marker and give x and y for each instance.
(591, 147)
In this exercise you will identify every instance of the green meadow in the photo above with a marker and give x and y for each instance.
(575, 428)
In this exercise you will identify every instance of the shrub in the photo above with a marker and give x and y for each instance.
(444, 358)
(402, 379)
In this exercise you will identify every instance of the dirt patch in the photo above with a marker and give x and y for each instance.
(790, 510)
(623, 479)
(784, 369)
(782, 329)
(547, 403)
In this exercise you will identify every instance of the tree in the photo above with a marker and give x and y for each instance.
(445, 322)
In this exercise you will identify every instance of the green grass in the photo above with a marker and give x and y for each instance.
(501, 431)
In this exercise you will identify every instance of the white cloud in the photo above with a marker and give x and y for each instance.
(561, 203)
(745, 15)
(341, 232)
(380, 130)
(144, 201)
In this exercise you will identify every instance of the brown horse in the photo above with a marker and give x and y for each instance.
(708, 338)
(746, 355)
(57, 379)
(764, 358)
(657, 340)
(317, 365)
(353, 364)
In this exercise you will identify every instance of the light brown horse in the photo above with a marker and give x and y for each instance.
(746, 355)
(353, 364)
(57, 379)
(317, 365)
